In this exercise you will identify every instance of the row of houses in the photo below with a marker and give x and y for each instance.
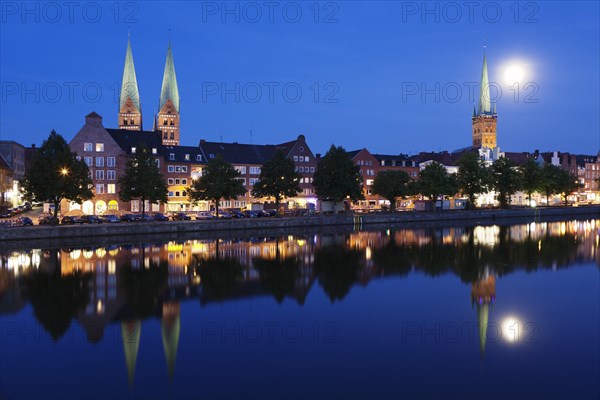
(106, 151)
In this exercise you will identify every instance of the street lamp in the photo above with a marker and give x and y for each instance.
(64, 171)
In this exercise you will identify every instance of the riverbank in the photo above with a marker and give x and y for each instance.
(355, 221)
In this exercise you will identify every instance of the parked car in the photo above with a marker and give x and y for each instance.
(91, 219)
(131, 217)
(110, 218)
(262, 213)
(250, 214)
(24, 221)
(160, 217)
(270, 213)
(48, 220)
(6, 213)
(236, 214)
(147, 218)
(204, 215)
(224, 215)
(71, 220)
(180, 216)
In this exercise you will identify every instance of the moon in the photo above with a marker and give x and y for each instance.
(511, 329)
(514, 74)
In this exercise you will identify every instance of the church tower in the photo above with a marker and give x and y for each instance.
(167, 121)
(485, 118)
(130, 111)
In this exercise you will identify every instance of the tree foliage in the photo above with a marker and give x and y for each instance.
(219, 180)
(506, 180)
(142, 180)
(57, 174)
(531, 174)
(391, 185)
(473, 177)
(278, 179)
(434, 181)
(337, 177)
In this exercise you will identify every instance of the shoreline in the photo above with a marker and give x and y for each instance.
(282, 225)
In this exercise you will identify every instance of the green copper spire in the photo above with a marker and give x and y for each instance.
(130, 332)
(170, 327)
(484, 93)
(169, 84)
(483, 314)
(129, 86)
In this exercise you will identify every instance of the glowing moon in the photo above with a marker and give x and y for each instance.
(514, 74)
(511, 329)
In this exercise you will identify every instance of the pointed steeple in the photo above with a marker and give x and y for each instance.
(169, 84)
(129, 86)
(484, 92)
(170, 328)
(474, 112)
(130, 332)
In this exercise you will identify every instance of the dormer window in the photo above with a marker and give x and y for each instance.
(133, 149)
(171, 156)
(187, 157)
(198, 157)
(154, 150)
(211, 155)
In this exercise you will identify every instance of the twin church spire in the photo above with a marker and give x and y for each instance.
(130, 111)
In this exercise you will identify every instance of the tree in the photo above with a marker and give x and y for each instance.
(390, 185)
(549, 184)
(434, 181)
(142, 180)
(337, 177)
(218, 181)
(473, 177)
(277, 179)
(506, 180)
(531, 174)
(566, 184)
(56, 173)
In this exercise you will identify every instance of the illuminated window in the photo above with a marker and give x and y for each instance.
(99, 146)
(110, 188)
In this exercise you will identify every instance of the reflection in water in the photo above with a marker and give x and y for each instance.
(125, 284)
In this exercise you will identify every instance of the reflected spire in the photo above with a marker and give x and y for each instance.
(170, 327)
(130, 333)
(483, 292)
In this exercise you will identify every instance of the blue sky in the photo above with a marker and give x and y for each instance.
(389, 76)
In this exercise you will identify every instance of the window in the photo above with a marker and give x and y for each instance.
(99, 147)
(295, 158)
(154, 151)
(171, 168)
(187, 157)
(110, 188)
(243, 181)
(171, 156)
(183, 168)
(111, 175)
(157, 161)
(177, 168)
(184, 181)
(133, 149)
(369, 182)
(241, 169)
(211, 155)
(99, 161)
(87, 147)
(306, 158)
(312, 169)
(110, 161)
(301, 169)
(100, 188)
(183, 194)
(255, 170)
(198, 157)
(170, 194)
(170, 181)
(301, 158)
(100, 174)
(177, 194)
(177, 181)
(253, 181)
(89, 161)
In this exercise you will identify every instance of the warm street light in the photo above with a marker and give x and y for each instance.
(64, 171)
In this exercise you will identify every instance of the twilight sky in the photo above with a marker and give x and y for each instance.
(390, 76)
